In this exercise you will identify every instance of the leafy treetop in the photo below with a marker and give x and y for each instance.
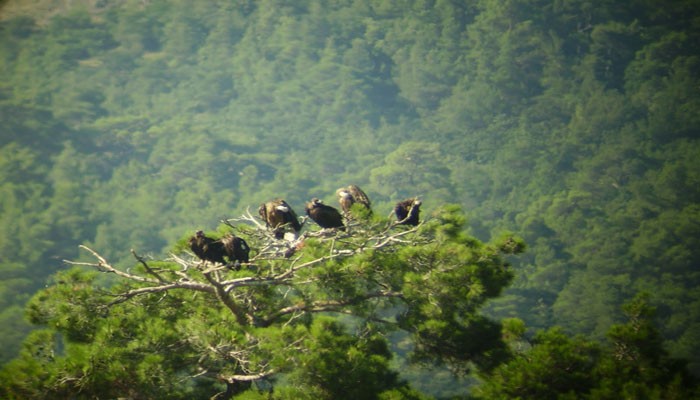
(305, 317)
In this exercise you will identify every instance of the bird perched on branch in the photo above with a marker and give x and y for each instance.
(408, 211)
(277, 215)
(236, 249)
(325, 216)
(350, 195)
(206, 248)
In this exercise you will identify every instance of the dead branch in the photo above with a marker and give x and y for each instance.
(241, 317)
(327, 305)
(246, 378)
(247, 217)
(145, 265)
(104, 266)
(199, 287)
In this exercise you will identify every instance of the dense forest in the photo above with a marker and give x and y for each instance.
(573, 125)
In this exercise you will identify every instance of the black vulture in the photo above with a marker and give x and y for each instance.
(408, 211)
(277, 214)
(350, 195)
(206, 248)
(325, 216)
(236, 248)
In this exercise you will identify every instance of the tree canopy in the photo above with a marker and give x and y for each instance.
(573, 125)
(184, 327)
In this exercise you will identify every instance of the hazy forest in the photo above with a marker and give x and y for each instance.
(554, 146)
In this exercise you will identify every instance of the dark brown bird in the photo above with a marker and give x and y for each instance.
(350, 195)
(206, 248)
(277, 214)
(236, 249)
(325, 216)
(408, 211)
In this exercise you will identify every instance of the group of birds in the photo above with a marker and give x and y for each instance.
(230, 246)
(281, 219)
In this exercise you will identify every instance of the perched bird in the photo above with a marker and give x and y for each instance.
(325, 216)
(236, 248)
(408, 211)
(350, 195)
(277, 214)
(206, 248)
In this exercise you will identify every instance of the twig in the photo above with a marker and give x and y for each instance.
(104, 266)
(199, 287)
(246, 378)
(327, 305)
(145, 265)
(247, 217)
(241, 317)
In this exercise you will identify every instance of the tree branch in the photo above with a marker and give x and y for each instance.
(326, 306)
(242, 318)
(104, 266)
(246, 378)
(200, 287)
(145, 265)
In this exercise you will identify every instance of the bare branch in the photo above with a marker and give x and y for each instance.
(199, 287)
(185, 266)
(145, 265)
(327, 305)
(246, 378)
(386, 239)
(247, 218)
(253, 281)
(241, 317)
(104, 266)
(290, 272)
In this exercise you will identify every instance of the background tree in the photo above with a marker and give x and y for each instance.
(573, 124)
(633, 364)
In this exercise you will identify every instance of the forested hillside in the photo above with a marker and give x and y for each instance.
(574, 124)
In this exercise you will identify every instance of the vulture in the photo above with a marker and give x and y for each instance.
(408, 211)
(206, 248)
(276, 214)
(350, 195)
(236, 248)
(325, 216)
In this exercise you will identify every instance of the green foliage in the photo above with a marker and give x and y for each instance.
(341, 366)
(556, 367)
(179, 328)
(573, 125)
(633, 365)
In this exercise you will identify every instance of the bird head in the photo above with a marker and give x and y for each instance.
(343, 193)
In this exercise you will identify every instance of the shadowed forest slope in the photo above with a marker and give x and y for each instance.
(573, 124)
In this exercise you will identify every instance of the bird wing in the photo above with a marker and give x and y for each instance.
(262, 210)
(291, 217)
(359, 195)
